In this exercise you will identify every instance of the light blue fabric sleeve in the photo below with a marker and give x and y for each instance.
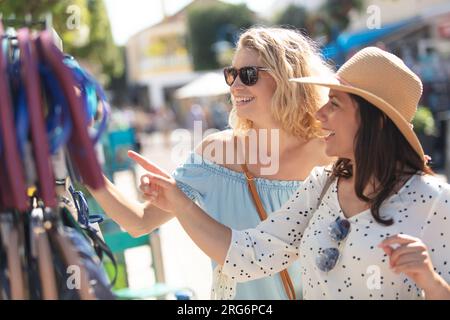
(192, 178)
(224, 195)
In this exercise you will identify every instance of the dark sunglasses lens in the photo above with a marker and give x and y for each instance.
(248, 75)
(339, 229)
(327, 259)
(230, 74)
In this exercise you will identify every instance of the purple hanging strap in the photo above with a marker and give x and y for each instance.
(81, 147)
(30, 78)
(16, 192)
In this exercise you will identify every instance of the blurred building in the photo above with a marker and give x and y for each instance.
(394, 10)
(157, 57)
(278, 6)
(416, 24)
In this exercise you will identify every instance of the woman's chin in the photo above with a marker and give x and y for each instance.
(244, 113)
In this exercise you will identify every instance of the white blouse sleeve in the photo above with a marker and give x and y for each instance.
(272, 245)
(436, 234)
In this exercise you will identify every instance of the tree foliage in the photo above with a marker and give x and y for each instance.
(83, 25)
(209, 24)
(331, 19)
(293, 16)
(337, 13)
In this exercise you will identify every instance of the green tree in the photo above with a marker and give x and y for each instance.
(324, 24)
(336, 13)
(84, 27)
(208, 24)
(424, 121)
(295, 16)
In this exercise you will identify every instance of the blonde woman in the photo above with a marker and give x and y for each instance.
(264, 101)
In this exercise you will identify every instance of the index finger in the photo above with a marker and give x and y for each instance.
(146, 164)
(398, 239)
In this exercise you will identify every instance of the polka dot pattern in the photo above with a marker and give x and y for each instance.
(298, 231)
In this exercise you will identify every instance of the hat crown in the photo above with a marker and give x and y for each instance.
(386, 76)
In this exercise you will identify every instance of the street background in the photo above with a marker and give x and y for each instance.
(161, 62)
(185, 265)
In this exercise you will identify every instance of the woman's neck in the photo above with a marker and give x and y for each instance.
(275, 139)
(374, 185)
(371, 185)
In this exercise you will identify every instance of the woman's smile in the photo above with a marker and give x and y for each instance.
(242, 101)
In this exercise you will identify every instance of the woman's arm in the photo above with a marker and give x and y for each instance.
(136, 218)
(439, 289)
(208, 234)
(248, 254)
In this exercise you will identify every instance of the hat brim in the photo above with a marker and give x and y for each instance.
(404, 126)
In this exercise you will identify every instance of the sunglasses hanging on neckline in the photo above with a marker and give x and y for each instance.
(338, 231)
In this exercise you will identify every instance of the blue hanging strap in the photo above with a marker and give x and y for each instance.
(58, 122)
(85, 219)
(17, 95)
(92, 94)
(22, 121)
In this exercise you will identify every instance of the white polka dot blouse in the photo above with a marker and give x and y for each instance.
(360, 270)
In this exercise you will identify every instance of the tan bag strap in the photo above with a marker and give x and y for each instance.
(11, 240)
(46, 268)
(327, 185)
(17, 282)
(284, 274)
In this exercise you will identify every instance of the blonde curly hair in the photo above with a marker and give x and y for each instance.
(288, 54)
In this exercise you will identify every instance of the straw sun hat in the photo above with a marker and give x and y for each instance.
(385, 81)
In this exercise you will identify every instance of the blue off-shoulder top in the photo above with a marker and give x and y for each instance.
(224, 195)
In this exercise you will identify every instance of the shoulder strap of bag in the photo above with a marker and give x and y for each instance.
(284, 274)
(327, 185)
(287, 282)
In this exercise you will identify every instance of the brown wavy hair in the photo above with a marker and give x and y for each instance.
(381, 153)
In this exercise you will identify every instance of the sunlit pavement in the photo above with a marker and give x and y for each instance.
(185, 265)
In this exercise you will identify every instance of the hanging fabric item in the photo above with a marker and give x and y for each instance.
(81, 147)
(14, 190)
(49, 108)
(30, 79)
(42, 252)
